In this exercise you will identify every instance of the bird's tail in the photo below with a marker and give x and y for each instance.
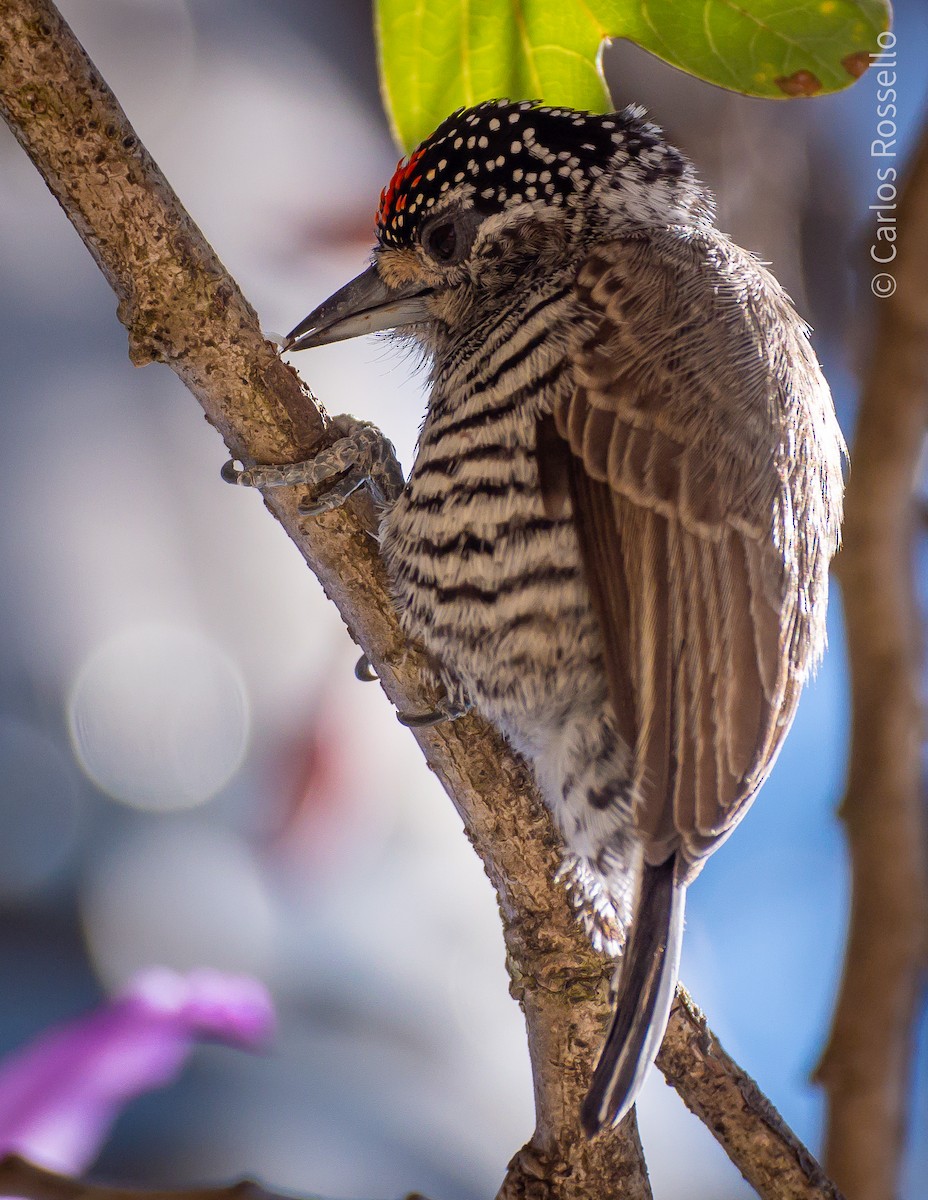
(647, 979)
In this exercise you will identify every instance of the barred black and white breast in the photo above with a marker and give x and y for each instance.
(488, 580)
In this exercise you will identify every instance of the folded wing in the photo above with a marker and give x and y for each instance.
(679, 471)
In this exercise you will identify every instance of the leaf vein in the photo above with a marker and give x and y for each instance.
(519, 17)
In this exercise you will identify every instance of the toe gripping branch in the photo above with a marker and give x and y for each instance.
(359, 455)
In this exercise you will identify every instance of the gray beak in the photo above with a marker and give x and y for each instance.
(366, 305)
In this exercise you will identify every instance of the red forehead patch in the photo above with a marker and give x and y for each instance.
(401, 177)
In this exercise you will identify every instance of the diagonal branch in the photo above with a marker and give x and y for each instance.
(730, 1104)
(866, 1068)
(181, 308)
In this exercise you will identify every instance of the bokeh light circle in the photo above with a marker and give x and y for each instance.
(159, 718)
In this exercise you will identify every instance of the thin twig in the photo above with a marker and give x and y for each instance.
(730, 1104)
(867, 1066)
(180, 307)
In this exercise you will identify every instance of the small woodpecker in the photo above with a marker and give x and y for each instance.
(614, 541)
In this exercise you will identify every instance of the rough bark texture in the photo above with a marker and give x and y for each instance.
(181, 307)
(866, 1068)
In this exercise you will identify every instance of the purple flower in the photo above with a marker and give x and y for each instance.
(60, 1094)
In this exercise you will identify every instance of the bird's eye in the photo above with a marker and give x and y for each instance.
(442, 242)
(448, 237)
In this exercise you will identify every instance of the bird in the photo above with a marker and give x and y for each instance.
(615, 538)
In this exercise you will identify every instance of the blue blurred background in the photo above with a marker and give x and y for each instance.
(189, 773)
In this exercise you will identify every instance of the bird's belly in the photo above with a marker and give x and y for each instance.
(493, 588)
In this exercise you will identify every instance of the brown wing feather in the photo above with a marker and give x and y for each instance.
(602, 549)
(679, 440)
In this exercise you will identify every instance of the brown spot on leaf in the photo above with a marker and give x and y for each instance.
(855, 64)
(800, 83)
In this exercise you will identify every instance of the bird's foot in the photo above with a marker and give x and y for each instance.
(449, 708)
(359, 455)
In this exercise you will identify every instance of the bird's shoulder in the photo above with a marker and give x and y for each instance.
(681, 385)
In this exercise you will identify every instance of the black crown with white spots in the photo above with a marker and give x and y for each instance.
(507, 153)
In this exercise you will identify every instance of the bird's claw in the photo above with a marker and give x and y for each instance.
(335, 495)
(444, 712)
(364, 671)
(447, 711)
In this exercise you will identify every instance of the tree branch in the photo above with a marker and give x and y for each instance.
(866, 1067)
(21, 1178)
(731, 1105)
(181, 307)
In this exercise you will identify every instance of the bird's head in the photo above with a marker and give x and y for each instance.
(501, 197)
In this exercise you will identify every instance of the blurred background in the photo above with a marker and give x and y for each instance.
(189, 773)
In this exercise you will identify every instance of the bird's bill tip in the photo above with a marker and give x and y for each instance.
(365, 305)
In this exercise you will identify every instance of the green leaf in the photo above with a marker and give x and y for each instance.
(439, 55)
